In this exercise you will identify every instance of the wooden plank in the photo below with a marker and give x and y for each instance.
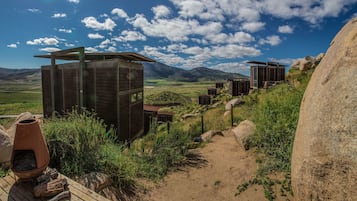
(80, 190)
(3, 194)
(11, 190)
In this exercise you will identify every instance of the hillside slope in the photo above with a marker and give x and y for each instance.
(7, 74)
(162, 71)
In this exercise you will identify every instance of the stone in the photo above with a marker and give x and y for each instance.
(306, 64)
(23, 116)
(242, 133)
(324, 157)
(295, 64)
(5, 147)
(187, 116)
(227, 113)
(207, 136)
(95, 181)
(233, 102)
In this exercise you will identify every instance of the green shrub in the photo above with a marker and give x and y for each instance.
(276, 117)
(75, 142)
(167, 151)
(167, 98)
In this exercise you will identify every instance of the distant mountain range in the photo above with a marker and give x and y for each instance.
(151, 71)
(162, 71)
(8, 74)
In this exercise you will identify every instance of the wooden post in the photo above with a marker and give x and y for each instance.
(168, 127)
(202, 124)
(232, 115)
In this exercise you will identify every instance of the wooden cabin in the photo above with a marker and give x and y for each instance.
(163, 117)
(212, 91)
(111, 84)
(150, 115)
(238, 87)
(204, 99)
(219, 85)
(260, 72)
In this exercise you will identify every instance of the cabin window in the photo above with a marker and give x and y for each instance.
(133, 98)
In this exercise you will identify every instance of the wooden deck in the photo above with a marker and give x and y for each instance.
(12, 190)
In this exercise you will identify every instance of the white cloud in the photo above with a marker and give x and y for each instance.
(127, 35)
(91, 49)
(34, 10)
(285, 29)
(206, 10)
(49, 49)
(59, 15)
(111, 49)
(106, 43)
(43, 41)
(95, 36)
(160, 11)
(13, 45)
(175, 29)
(65, 30)
(91, 22)
(231, 51)
(73, 1)
(120, 12)
(253, 26)
(69, 45)
(272, 40)
(238, 37)
(169, 59)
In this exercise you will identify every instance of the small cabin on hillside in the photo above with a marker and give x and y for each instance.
(261, 72)
(238, 87)
(111, 84)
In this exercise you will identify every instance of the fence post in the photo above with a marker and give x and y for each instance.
(168, 127)
(202, 124)
(231, 115)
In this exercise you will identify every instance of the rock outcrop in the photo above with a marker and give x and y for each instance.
(324, 159)
(243, 131)
(307, 62)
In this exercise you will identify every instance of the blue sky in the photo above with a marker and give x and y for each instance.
(220, 34)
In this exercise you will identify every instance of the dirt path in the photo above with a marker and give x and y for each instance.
(228, 165)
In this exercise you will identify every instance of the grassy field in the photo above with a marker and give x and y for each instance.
(189, 89)
(18, 97)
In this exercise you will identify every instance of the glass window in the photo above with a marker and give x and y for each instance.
(140, 96)
(133, 98)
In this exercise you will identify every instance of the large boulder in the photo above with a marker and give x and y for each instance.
(5, 147)
(243, 131)
(207, 136)
(23, 116)
(100, 183)
(324, 158)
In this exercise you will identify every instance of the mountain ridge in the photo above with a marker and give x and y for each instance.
(151, 71)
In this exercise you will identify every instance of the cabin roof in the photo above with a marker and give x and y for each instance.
(74, 54)
(268, 63)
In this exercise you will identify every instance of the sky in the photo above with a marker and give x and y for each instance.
(219, 34)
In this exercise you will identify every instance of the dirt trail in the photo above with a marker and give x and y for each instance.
(228, 165)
